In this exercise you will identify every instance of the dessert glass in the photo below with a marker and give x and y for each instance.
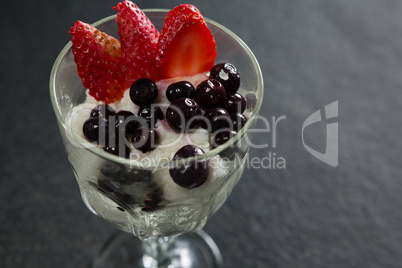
(168, 234)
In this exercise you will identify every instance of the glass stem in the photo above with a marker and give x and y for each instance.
(156, 252)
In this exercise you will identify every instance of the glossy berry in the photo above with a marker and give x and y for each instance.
(210, 93)
(227, 74)
(239, 120)
(216, 119)
(181, 89)
(183, 115)
(91, 129)
(126, 123)
(221, 137)
(143, 92)
(151, 114)
(190, 175)
(96, 129)
(235, 103)
(145, 139)
(102, 110)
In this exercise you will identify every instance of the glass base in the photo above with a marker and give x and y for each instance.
(189, 250)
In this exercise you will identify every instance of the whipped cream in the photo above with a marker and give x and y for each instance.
(170, 141)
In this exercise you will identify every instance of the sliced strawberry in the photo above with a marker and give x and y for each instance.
(186, 45)
(139, 39)
(98, 56)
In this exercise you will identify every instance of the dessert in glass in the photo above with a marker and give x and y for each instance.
(158, 154)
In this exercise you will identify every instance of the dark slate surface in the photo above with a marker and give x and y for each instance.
(310, 214)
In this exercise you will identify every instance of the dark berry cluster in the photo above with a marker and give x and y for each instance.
(214, 105)
(143, 93)
(115, 132)
(104, 127)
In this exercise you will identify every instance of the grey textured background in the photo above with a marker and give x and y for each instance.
(312, 53)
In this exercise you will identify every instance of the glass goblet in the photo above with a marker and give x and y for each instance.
(161, 221)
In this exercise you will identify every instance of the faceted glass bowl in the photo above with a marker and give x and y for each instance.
(115, 188)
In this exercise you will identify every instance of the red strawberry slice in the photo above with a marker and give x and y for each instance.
(186, 45)
(139, 39)
(98, 56)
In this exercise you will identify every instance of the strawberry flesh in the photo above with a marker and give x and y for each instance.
(186, 46)
(139, 39)
(97, 56)
(107, 67)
